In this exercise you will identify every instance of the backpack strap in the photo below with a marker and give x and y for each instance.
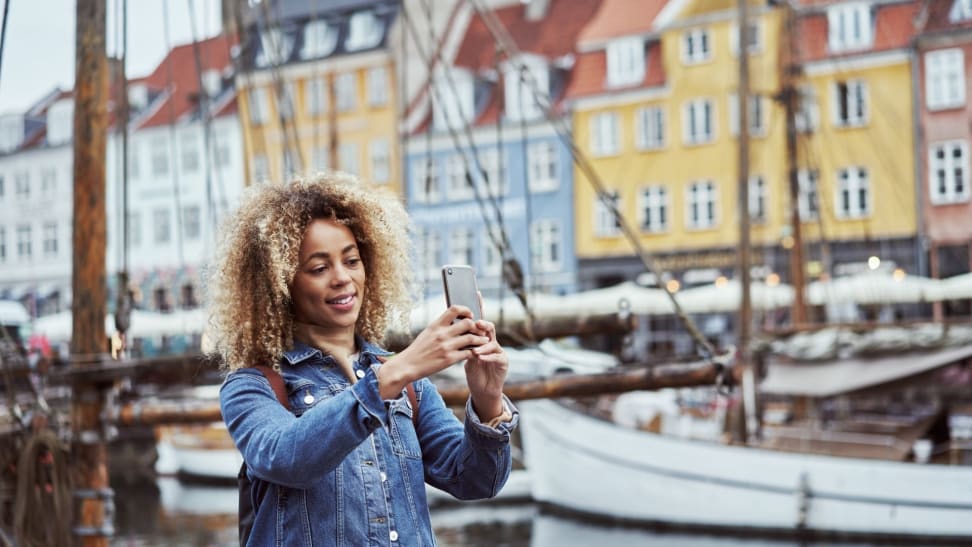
(276, 382)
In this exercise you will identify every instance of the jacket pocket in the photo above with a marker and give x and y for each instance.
(404, 439)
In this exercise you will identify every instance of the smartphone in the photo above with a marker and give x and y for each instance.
(459, 282)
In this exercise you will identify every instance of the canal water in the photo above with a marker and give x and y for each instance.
(170, 513)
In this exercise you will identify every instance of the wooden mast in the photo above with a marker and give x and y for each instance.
(88, 339)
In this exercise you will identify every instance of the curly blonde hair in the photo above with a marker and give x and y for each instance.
(251, 313)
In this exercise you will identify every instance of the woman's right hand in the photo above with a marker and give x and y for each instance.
(435, 348)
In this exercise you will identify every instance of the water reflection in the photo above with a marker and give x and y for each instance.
(168, 512)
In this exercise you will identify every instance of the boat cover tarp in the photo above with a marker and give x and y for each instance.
(829, 378)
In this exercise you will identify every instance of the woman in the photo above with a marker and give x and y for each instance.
(310, 277)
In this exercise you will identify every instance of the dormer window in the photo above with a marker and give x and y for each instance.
(138, 96)
(11, 132)
(60, 122)
(320, 38)
(453, 109)
(521, 95)
(365, 31)
(275, 47)
(849, 27)
(212, 82)
(625, 62)
(961, 11)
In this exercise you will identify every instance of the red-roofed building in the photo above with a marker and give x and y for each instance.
(185, 170)
(486, 163)
(944, 54)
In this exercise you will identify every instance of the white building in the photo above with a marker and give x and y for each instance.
(177, 191)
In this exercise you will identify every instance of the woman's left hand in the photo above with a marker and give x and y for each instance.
(486, 370)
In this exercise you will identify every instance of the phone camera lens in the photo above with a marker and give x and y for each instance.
(449, 271)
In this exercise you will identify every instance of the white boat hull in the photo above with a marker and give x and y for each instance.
(592, 466)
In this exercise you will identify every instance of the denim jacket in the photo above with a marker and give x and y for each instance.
(348, 467)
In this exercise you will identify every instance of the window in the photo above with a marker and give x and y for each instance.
(319, 39)
(365, 31)
(494, 164)
(702, 201)
(163, 230)
(944, 79)
(344, 91)
(285, 100)
(427, 249)
(2, 189)
(948, 172)
(292, 162)
(378, 86)
(520, 99)
(757, 199)
(650, 128)
(753, 38)
(625, 62)
(456, 187)
(189, 146)
(807, 117)
(654, 209)
(23, 242)
(3, 244)
(542, 157)
(160, 156)
(452, 99)
(425, 181)
(605, 140)
(757, 115)
(275, 47)
(11, 132)
(379, 156)
(698, 122)
(261, 168)
(315, 96)
(133, 157)
(48, 181)
(190, 222)
(853, 193)
(22, 185)
(545, 246)
(221, 146)
(50, 239)
(258, 106)
(492, 257)
(809, 200)
(961, 11)
(695, 46)
(322, 158)
(849, 26)
(461, 246)
(189, 297)
(134, 229)
(605, 221)
(850, 103)
(348, 158)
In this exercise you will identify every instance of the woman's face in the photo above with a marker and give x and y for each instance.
(328, 288)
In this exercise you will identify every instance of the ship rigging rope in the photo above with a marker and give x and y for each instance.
(3, 30)
(42, 508)
(508, 46)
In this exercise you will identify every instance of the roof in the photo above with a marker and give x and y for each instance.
(617, 18)
(936, 18)
(839, 376)
(177, 72)
(894, 28)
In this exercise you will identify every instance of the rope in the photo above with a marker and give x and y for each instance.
(42, 509)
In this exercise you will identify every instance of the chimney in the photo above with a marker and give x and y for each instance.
(536, 9)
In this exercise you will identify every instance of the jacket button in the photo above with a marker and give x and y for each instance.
(383, 476)
(393, 536)
(308, 399)
(359, 373)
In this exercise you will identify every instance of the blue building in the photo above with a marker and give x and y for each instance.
(481, 115)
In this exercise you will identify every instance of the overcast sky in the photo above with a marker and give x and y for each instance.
(38, 54)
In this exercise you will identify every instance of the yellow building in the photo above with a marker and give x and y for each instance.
(655, 109)
(318, 90)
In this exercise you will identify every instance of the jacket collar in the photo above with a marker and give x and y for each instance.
(301, 352)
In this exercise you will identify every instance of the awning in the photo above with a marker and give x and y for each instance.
(829, 378)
